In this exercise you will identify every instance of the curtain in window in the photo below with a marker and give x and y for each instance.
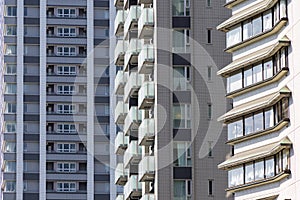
(179, 154)
(259, 170)
(248, 79)
(179, 190)
(234, 36)
(269, 118)
(249, 125)
(257, 73)
(235, 129)
(268, 69)
(178, 7)
(257, 25)
(236, 177)
(258, 122)
(270, 166)
(267, 20)
(247, 29)
(249, 173)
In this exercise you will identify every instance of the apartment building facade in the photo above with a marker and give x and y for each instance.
(167, 93)
(55, 118)
(263, 82)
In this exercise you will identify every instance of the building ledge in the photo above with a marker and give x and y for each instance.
(232, 3)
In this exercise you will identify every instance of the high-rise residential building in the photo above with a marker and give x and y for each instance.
(263, 82)
(168, 99)
(55, 105)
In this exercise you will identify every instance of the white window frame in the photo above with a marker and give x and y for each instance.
(61, 147)
(66, 15)
(187, 115)
(66, 89)
(66, 186)
(14, 11)
(66, 51)
(66, 167)
(66, 31)
(66, 108)
(66, 70)
(11, 108)
(10, 69)
(66, 128)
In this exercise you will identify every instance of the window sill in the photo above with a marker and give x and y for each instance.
(282, 22)
(270, 180)
(277, 127)
(260, 84)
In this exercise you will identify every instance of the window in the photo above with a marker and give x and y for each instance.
(267, 20)
(11, 108)
(66, 148)
(259, 170)
(234, 36)
(10, 147)
(66, 108)
(234, 82)
(270, 167)
(66, 32)
(269, 118)
(66, 70)
(208, 3)
(66, 187)
(235, 129)
(11, 50)
(66, 167)
(66, 51)
(249, 125)
(25, 11)
(209, 35)
(10, 186)
(66, 12)
(66, 128)
(249, 173)
(257, 73)
(209, 111)
(268, 69)
(235, 177)
(182, 154)
(182, 189)
(247, 29)
(210, 149)
(210, 187)
(11, 30)
(10, 127)
(257, 25)
(209, 73)
(182, 116)
(11, 69)
(11, 11)
(10, 88)
(66, 89)
(181, 43)
(181, 78)
(10, 166)
(181, 8)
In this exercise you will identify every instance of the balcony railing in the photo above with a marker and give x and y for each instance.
(131, 22)
(146, 59)
(147, 132)
(120, 81)
(120, 50)
(132, 53)
(133, 188)
(121, 143)
(147, 168)
(146, 23)
(121, 174)
(120, 197)
(148, 197)
(121, 112)
(133, 85)
(146, 95)
(119, 22)
(132, 154)
(132, 120)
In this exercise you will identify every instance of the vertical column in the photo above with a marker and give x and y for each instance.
(90, 100)
(43, 60)
(20, 69)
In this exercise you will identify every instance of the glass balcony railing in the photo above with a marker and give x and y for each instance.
(120, 197)
(148, 197)
(121, 143)
(133, 85)
(146, 59)
(147, 168)
(119, 22)
(121, 112)
(120, 50)
(120, 81)
(147, 132)
(146, 95)
(132, 120)
(132, 19)
(121, 174)
(146, 23)
(131, 55)
(133, 188)
(132, 154)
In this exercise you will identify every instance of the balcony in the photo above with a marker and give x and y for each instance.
(121, 174)
(131, 22)
(121, 112)
(120, 51)
(132, 53)
(119, 22)
(146, 95)
(148, 197)
(132, 154)
(120, 197)
(145, 1)
(132, 120)
(121, 143)
(133, 188)
(146, 24)
(133, 85)
(120, 81)
(147, 169)
(147, 132)
(146, 60)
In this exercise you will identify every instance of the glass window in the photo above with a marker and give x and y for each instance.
(10, 166)
(10, 147)
(247, 29)
(257, 73)
(10, 127)
(249, 173)
(234, 82)
(234, 36)
(182, 116)
(179, 190)
(11, 108)
(66, 187)
(181, 78)
(11, 30)
(66, 148)
(66, 167)
(249, 125)
(268, 69)
(66, 32)
(285, 162)
(283, 9)
(235, 129)
(276, 13)
(66, 70)
(236, 177)
(259, 170)
(267, 20)
(258, 122)
(182, 154)
(279, 162)
(248, 80)
(181, 7)
(10, 186)
(11, 69)
(65, 12)
(66, 89)
(66, 51)
(269, 118)
(66, 108)
(11, 50)
(257, 25)
(270, 167)
(283, 59)
(285, 108)
(66, 128)
(10, 88)
(181, 41)
(11, 11)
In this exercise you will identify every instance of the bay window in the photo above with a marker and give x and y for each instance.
(66, 148)
(66, 187)
(182, 116)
